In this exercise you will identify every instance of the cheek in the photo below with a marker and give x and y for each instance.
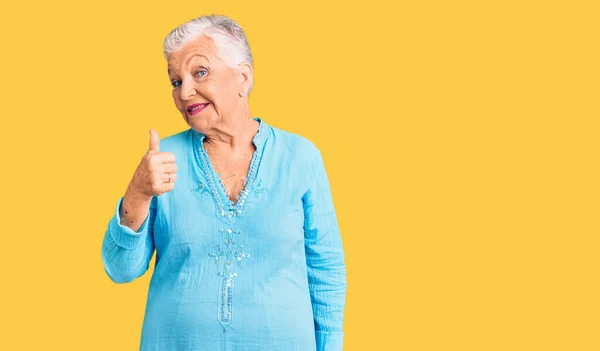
(221, 93)
(211, 90)
(213, 94)
(177, 100)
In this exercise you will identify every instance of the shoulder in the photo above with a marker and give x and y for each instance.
(299, 151)
(297, 145)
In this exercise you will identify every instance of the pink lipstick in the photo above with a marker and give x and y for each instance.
(196, 108)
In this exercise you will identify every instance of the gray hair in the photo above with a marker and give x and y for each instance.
(228, 37)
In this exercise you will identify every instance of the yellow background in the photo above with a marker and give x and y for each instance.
(460, 137)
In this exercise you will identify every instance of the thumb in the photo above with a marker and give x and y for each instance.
(154, 141)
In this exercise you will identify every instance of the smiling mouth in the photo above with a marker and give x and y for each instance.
(196, 108)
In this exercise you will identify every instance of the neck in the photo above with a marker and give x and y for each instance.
(233, 135)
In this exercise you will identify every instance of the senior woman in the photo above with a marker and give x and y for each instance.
(248, 250)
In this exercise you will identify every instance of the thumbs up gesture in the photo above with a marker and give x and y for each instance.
(156, 173)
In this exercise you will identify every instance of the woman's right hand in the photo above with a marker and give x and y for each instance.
(155, 175)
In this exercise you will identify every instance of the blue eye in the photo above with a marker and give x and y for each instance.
(176, 83)
(201, 73)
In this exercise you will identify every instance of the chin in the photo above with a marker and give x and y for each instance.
(198, 124)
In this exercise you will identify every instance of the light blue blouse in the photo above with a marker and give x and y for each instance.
(266, 273)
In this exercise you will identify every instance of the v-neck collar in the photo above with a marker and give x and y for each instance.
(226, 207)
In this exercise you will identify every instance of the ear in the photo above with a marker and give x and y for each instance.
(246, 77)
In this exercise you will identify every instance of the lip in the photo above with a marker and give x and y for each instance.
(202, 107)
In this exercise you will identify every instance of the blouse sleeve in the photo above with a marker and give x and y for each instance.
(325, 261)
(126, 254)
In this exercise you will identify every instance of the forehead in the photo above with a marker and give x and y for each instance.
(201, 48)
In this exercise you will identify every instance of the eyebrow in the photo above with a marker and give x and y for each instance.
(188, 60)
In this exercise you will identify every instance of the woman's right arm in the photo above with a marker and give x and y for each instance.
(126, 252)
(128, 243)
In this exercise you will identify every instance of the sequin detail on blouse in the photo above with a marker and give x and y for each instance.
(201, 188)
(227, 257)
(229, 253)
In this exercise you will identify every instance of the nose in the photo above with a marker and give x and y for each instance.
(187, 89)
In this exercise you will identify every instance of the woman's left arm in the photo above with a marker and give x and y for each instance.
(325, 260)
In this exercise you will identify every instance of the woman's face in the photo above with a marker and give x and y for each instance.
(199, 76)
